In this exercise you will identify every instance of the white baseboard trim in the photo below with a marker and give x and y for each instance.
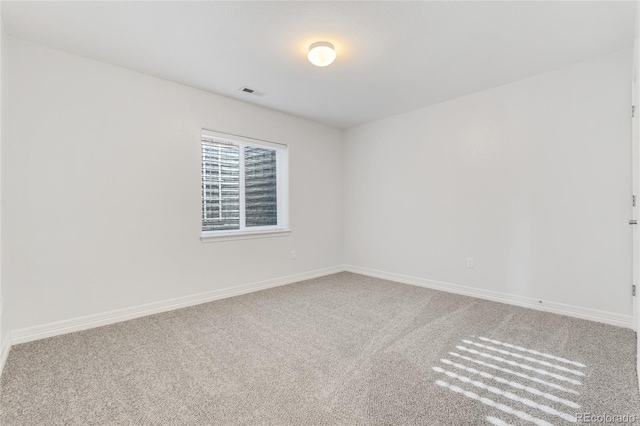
(111, 317)
(91, 321)
(5, 347)
(526, 302)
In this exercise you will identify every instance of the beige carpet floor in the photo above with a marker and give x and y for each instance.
(338, 350)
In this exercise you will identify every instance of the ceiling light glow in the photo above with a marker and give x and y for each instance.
(321, 53)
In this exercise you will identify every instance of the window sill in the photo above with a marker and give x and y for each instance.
(249, 235)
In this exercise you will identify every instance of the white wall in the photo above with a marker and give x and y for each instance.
(101, 198)
(532, 179)
(102, 190)
(4, 329)
(636, 183)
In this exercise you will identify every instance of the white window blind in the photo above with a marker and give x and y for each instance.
(243, 186)
(260, 187)
(220, 186)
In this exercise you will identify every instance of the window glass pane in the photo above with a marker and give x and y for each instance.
(261, 200)
(220, 187)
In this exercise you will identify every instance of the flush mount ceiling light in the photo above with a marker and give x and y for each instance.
(321, 53)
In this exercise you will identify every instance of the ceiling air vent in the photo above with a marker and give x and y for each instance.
(251, 91)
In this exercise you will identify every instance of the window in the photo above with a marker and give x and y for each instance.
(244, 187)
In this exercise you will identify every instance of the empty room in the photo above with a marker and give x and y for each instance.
(319, 213)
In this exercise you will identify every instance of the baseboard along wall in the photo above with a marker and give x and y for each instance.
(111, 317)
(5, 347)
(610, 318)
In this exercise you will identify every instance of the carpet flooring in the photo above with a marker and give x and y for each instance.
(339, 350)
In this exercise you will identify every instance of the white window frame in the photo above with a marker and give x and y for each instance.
(282, 188)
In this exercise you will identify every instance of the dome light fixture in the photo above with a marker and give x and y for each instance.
(321, 53)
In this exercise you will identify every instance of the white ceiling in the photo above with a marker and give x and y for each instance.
(392, 56)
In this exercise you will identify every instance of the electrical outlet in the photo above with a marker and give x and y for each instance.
(469, 262)
(293, 254)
